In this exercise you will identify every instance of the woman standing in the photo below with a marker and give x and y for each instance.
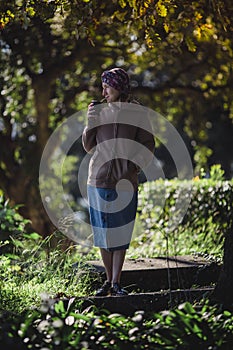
(112, 135)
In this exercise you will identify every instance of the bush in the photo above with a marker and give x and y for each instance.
(202, 228)
(12, 225)
(60, 326)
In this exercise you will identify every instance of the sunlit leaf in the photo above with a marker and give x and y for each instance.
(161, 9)
(190, 44)
(133, 3)
(122, 3)
(166, 27)
(120, 15)
(30, 11)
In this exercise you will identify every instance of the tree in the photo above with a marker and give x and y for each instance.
(179, 54)
(44, 43)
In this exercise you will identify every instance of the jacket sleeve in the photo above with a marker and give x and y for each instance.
(145, 137)
(89, 136)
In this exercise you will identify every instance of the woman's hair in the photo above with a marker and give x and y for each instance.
(118, 79)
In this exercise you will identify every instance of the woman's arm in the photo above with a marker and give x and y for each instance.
(89, 133)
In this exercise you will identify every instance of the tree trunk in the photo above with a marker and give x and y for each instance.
(23, 186)
(25, 191)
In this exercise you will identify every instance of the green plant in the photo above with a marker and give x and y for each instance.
(12, 225)
(203, 227)
(188, 328)
(60, 325)
(36, 268)
(217, 173)
(39, 267)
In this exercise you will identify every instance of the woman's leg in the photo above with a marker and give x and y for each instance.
(118, 258)
(113, 262)
(107, 258)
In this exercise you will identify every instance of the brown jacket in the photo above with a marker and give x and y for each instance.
(121, 141)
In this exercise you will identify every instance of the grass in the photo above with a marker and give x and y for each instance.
(34, 272)
(30, 266)
(34, 268)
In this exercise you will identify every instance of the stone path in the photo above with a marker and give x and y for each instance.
(157, 284)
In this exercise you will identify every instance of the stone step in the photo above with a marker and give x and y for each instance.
(147, 302)
(156, 274)
(154, 284)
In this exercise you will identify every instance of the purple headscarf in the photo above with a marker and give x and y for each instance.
(116, 78)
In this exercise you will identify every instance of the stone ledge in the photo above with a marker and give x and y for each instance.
(148, 302)
(149, 275)
(156, 263)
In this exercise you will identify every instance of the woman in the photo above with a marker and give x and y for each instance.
(112, 136)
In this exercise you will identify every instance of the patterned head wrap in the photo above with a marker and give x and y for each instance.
(116, 78)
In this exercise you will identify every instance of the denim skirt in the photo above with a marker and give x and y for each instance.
(112, 217)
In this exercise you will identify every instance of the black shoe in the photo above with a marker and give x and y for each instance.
(118, 290)
(104, 290)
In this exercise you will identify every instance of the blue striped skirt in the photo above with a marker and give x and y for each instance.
(112, 217)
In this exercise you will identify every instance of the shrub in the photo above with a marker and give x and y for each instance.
(62, 326)
(203, 226)
(12, 225)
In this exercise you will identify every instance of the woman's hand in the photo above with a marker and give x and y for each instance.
(93, 110)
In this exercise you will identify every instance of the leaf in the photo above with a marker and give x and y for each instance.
(142, 11)
(30, 11)
(133, 4)
(91, 41)
(161, 9)
(187, 307)
(190, 44)
(166, 27)
(35, 236)
(122, 3)
(120, 15)
(13, 257)
(59, 307)
(149, 41)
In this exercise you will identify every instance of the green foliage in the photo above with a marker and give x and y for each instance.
(189, 328)
(37, 267)
(217, 173)
(204, 224)
(12, 226)
(59, 325)
(31, 265)
(177, 53)
(39, 283)
(202, 154)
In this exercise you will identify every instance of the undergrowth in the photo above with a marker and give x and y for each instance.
(36, 274)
